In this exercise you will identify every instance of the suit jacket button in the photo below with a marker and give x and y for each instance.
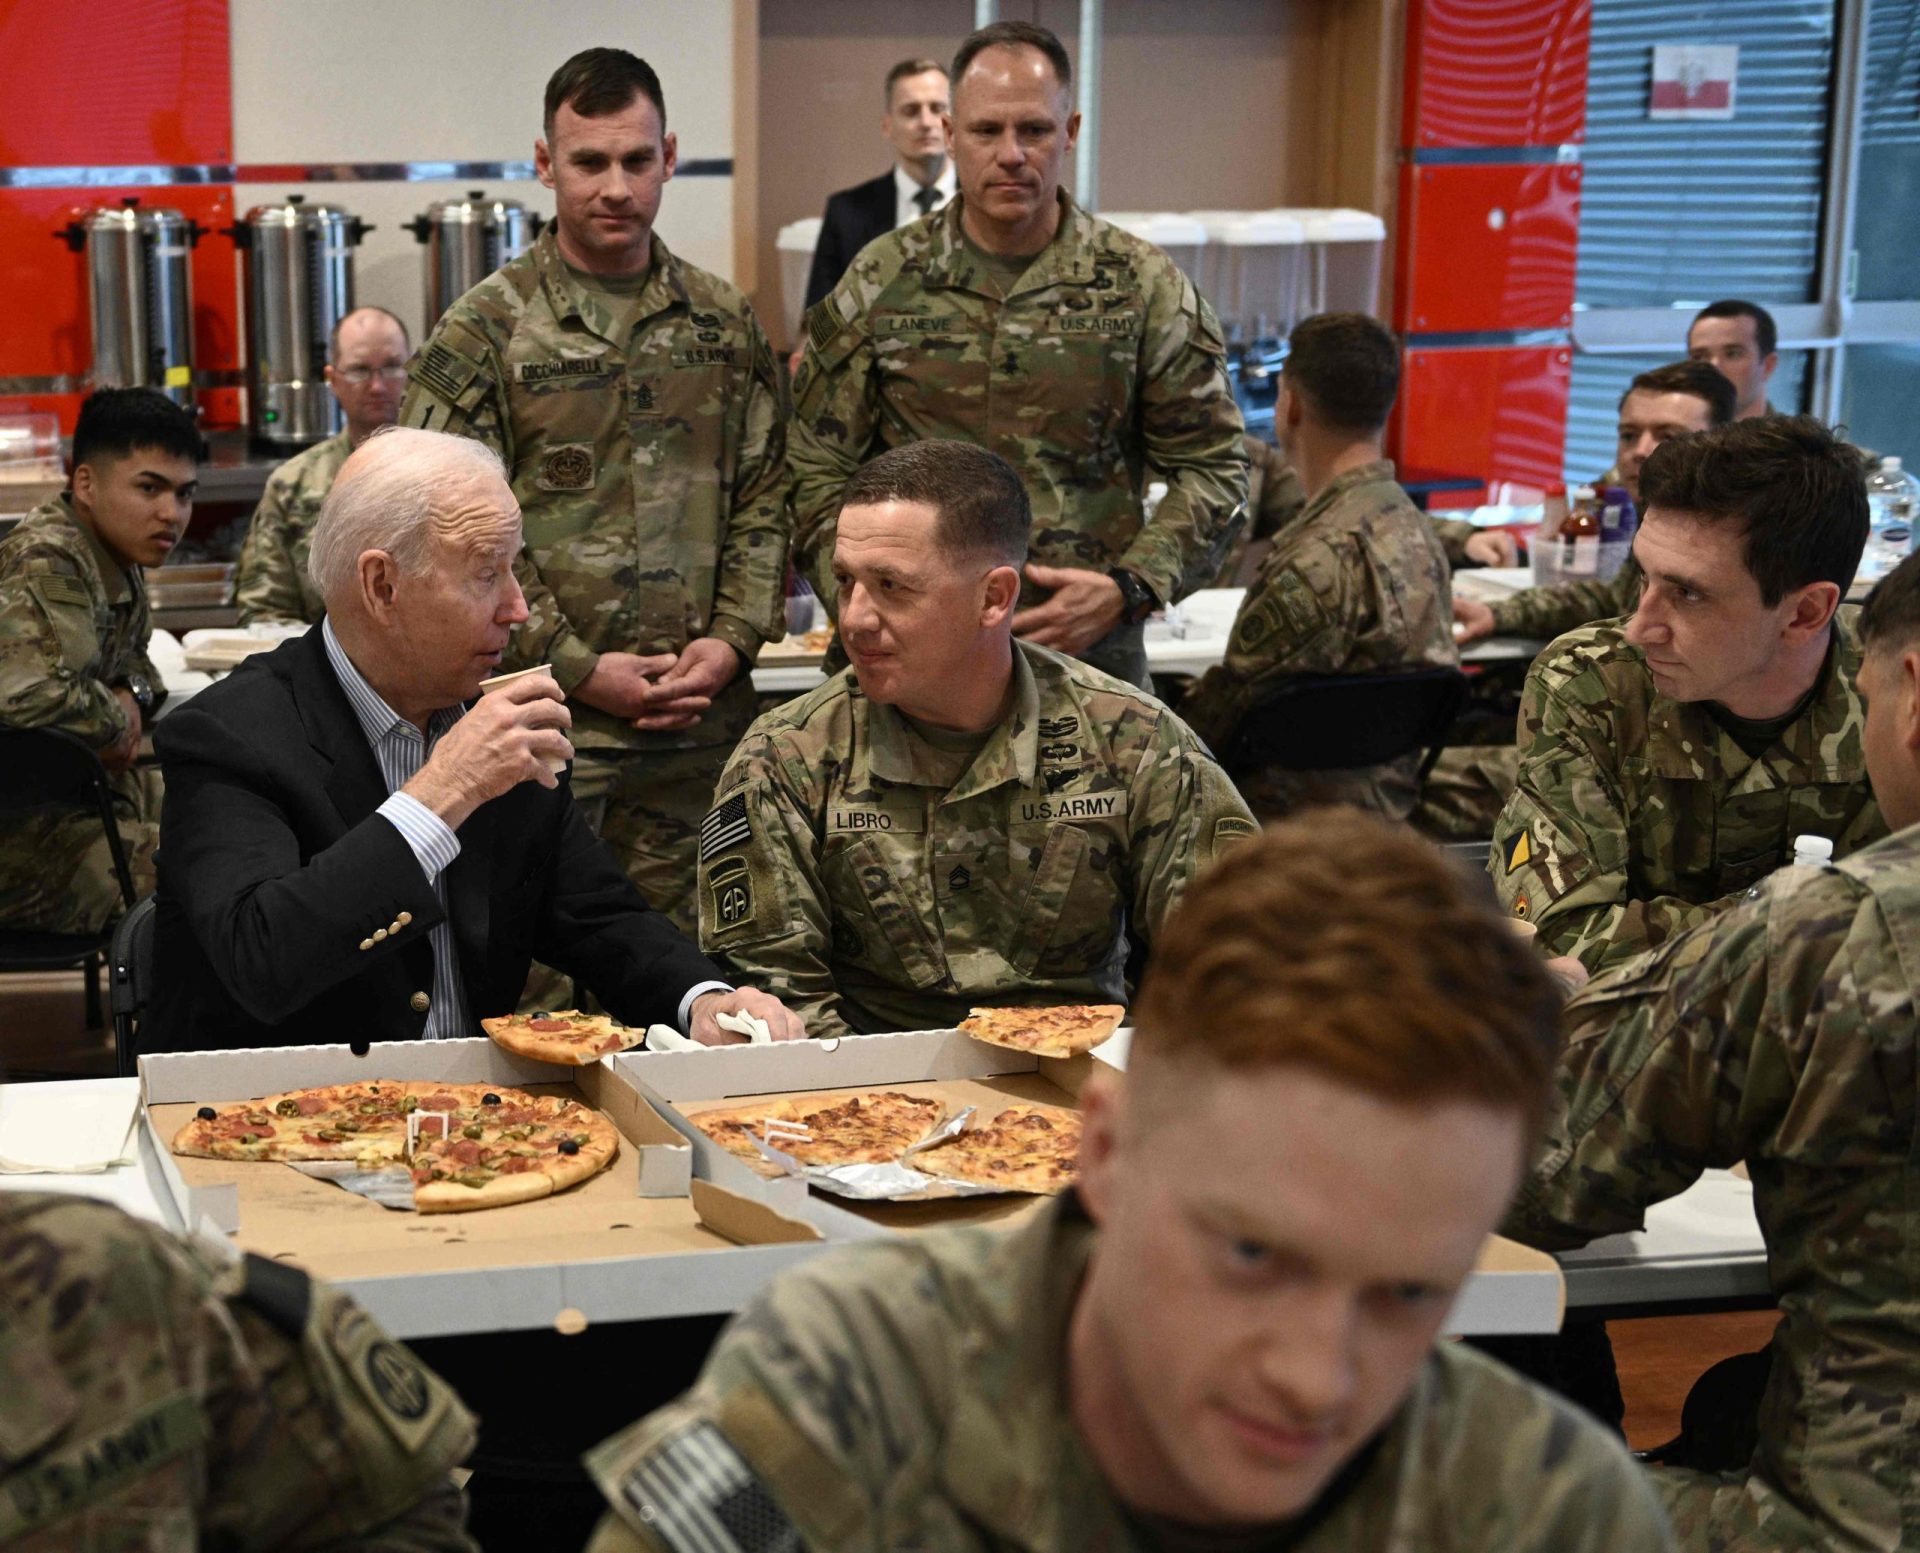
(419, 1002)
(404, 918)
(366, 943)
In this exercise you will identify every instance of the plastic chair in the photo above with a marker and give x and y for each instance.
(1335, 722)
(130, 983)
(38, 767)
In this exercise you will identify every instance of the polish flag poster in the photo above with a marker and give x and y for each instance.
(1693, 80)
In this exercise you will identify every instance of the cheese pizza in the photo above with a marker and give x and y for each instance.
(1065, 1030)
(1026, 1148)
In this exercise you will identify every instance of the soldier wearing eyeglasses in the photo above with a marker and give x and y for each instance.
(367, 371)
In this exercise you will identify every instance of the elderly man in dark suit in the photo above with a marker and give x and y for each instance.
(919, 182)
(353, 847)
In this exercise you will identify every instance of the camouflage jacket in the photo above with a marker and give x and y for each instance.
(271, 582)
(650, 471)
(845, 869)
(911, 1393)
(164, 1394)
(1780, 1033)
(1275, 498)
(74, 624)
(1103, 360)
(1556, 608)
(1636, 816)
(1357, 584)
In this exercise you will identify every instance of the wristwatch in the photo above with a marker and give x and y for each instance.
(1137, 600)
(141, 689)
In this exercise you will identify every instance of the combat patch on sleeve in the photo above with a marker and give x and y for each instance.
(698, 1495)
(727, 825)
(1519, 851)
(730, 888)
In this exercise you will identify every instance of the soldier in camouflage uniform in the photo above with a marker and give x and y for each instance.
(367, 372)
(1275, 498)
(1667, 762)
(637, 406)
(1080, 354)
(1176, 1355)
(1781, 1033)
(74, 627)
(164, 1393)
(1356, 585)
(959, 818)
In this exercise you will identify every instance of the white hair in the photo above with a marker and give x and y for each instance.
(385, 498)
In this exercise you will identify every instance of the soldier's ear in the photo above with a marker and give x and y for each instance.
(543, 161)
(999, 593)
(1908, 692)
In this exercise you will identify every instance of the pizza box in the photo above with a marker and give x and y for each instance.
(1515, 1289)
(641, 1240)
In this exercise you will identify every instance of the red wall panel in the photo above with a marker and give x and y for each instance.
(1499, 413)
(110, 83)
(115, 83)
(1496, 72)
(1493, 247)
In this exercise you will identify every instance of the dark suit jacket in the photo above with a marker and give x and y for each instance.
(854, 218)
(275, 868)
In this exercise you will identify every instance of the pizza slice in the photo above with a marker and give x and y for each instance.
(1065, 1030)
(869, 1128)
(566, 1036)
(1026, 1148)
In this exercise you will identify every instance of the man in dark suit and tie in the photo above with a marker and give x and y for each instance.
(919, 183)
(354, 848)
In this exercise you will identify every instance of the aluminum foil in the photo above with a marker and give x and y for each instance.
(894, 1181)
(391, 1187)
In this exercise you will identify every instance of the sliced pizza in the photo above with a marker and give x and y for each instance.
(1026, 1148)
(565, 1036)
(1063, 1030)
(869, 1128)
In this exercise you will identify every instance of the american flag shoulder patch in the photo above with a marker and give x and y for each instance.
(697, 1494)
(726, 825)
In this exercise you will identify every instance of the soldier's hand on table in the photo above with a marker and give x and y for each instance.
(125, 750)
(1492, 547)
(621, 683)
(685, 691)
(1471, 620)
(505, 740)
(1084, 607)
(782, 1022)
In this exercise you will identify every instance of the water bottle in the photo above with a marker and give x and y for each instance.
(1892, 497)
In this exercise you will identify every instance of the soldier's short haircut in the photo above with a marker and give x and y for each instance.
(1343, 944)
(1347, 369)
(908, 67)
(1765, 334)
(597, 82)
(333, 336)
(1701, 379)
(1890, 619)
(1005, 35)
(385, 498)
(115, 421)
(983, 506)
(1797, 490)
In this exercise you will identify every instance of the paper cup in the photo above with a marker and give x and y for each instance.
(1527, 931)
(553, 762)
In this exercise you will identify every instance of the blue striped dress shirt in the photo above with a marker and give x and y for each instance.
(400, 752)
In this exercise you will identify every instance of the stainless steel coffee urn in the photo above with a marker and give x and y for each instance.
(140, 296)
(299, 285)
(467, 240)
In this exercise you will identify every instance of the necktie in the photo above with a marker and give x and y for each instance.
(926, 198)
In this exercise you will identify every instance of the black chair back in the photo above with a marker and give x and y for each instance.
(42, 766)
(131, 982)
(1336, 722)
